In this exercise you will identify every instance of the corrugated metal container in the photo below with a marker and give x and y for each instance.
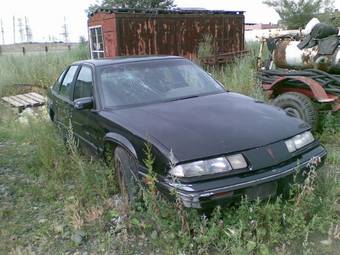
(120, 32)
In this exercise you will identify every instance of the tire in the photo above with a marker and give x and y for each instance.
(126, 172)
(299, 106)
(51, 115)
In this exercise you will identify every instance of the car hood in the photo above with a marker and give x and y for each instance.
(210, 125)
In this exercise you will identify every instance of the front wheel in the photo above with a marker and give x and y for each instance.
(126, 170)
(299, 106)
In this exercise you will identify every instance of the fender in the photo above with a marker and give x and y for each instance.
(316, 89)
(121, 141)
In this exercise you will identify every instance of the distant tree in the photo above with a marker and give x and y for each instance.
(82, 42)
(296, 13)
(82, 39)
(330, 14)
(147, 4)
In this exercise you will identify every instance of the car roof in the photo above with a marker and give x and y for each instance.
(124, 59)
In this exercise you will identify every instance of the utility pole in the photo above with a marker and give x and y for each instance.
(65, 31)
(28, 30)
(21, 29)
(2, 32)
(13, 29)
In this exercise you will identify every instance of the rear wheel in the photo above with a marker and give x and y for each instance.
(126, 170)
(299, 106)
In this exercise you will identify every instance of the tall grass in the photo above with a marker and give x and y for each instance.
(55, 190)
(205, 47)
(39, 69)
(239, 76)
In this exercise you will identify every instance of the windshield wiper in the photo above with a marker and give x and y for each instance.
(182, 98)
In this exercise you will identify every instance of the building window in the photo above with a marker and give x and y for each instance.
(96, 42)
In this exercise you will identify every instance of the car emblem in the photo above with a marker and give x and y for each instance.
(270, 152)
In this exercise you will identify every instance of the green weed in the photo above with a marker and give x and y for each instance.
(241, 76)
(205, 48)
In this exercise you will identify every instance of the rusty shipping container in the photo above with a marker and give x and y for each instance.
(121, 32)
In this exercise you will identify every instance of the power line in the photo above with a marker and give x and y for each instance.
(13, 29)
(21, 29)
(2, 32)
(65, 33)
(28, 30)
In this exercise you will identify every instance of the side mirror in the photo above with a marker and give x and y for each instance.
(83, 103)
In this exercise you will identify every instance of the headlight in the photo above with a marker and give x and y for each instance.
(299, 141)
(211, 166)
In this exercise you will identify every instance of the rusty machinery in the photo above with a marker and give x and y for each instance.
(302, 73)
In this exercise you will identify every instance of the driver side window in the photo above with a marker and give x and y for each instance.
(83, 87)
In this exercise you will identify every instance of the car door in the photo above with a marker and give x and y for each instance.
(84, 125)
(64, 99)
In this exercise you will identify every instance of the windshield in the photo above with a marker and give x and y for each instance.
(155, 81)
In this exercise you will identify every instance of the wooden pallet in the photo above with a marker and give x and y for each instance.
(25, 100)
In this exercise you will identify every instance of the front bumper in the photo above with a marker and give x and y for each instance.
(226, 190)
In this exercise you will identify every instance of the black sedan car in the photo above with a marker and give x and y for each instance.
(211, 146)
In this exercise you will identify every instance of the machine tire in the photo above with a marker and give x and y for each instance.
(299, 106)
(126, 171)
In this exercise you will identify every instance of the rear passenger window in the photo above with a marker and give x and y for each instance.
(83, 87)
(66, 88)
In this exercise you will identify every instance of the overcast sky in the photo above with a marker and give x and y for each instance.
(46, 17)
